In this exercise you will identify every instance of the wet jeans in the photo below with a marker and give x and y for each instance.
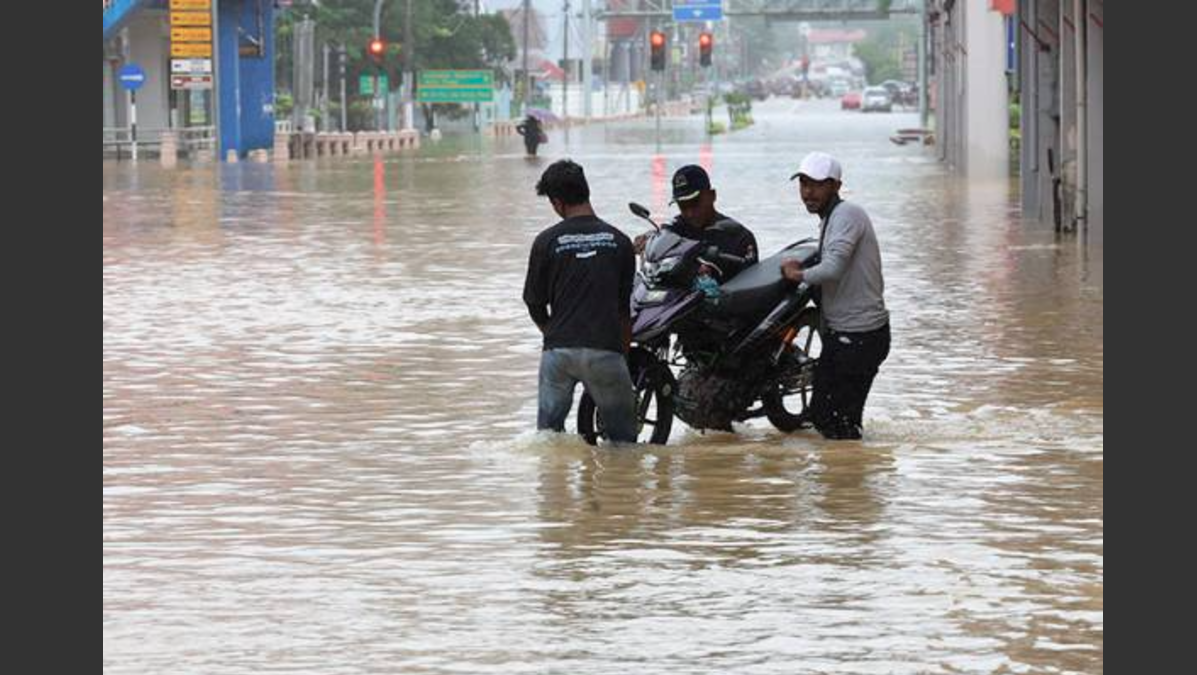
(843, 377)
(606, 378)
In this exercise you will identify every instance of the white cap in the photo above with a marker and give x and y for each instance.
(819, 166)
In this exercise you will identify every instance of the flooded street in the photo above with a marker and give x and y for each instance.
(320, 386)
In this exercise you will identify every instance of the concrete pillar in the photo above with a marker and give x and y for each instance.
(986, 133)
(169, 154)
(282, 146)
(1097, 126)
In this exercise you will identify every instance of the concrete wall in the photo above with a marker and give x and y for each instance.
(615, 103)
(110, 86)
(986, 130)
(1047, 82)
(972, 103)
(1096, 80)
(149, 47)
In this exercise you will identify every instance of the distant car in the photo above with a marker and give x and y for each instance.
(757, 90)
(900, 93)
(839, 87)
(894, 87)
(876, 98)
(850, 101)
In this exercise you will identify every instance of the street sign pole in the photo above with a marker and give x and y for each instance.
(132, 77)
(377, 106)
(657, 96)
(133, 121)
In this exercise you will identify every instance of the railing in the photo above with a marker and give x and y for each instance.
(118, 141)
(193, 139)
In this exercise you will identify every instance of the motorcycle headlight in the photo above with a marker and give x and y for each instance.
(666, 265)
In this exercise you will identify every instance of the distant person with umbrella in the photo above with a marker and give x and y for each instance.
(532, 132)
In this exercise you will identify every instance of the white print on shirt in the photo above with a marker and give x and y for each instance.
(587, 244)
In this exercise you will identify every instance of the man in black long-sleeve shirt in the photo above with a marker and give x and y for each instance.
(578, 291)
(699, 220)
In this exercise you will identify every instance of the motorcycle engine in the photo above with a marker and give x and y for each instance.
(706, 399)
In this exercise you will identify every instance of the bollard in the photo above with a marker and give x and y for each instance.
(282, 147)
(169, 156)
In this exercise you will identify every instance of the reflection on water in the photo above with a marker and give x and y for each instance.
(319, 382)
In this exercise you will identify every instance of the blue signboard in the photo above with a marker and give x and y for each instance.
(697, 10)
(1011, 51)
(132, 77)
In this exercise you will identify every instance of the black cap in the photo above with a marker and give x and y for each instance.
(689, 181)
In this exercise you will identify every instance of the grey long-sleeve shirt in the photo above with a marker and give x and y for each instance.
(849, 272)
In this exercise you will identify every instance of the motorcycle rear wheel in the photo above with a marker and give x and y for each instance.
(655, 387)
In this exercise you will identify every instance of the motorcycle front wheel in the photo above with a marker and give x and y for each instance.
(785, 404)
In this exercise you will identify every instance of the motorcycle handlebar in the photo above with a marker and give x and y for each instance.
(714, 253)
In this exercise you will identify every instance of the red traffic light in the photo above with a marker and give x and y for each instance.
(377, 47)
(656, 41)
(705, 40)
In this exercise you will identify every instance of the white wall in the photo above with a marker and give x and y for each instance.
(986, 121)
(616, 103)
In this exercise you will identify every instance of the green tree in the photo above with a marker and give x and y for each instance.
(881, 50)
(446, 35)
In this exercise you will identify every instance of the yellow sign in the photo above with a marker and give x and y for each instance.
(191, 18)
(191, 50)
(176, 5)
(190, 35)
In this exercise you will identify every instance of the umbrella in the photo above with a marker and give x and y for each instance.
(546, 116)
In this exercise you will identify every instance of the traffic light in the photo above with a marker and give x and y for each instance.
(705, 42)
(656, 41)
(376, 49)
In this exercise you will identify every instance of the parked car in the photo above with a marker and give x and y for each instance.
(850, 101)
(757, 90)
(876, 98)
(901, 93)
(894, 87)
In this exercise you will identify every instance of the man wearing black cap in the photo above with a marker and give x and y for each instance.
(699, 220)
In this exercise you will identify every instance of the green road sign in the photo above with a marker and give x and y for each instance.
(456, 86)
(365, 85)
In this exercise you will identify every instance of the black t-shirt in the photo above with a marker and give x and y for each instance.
(579, 284)
(730, 236)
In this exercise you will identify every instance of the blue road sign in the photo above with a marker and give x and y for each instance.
(697, 10)
(132, 77)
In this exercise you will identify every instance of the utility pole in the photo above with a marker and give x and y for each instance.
(587, 58)
(565, 77)
(341, 71)
(324, 121)
(527, 93)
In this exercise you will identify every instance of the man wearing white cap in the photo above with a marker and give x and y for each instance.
(855, 331)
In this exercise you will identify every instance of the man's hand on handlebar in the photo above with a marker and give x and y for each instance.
(792, 271)
(640, 242)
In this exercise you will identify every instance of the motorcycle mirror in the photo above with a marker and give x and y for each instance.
(644, 213)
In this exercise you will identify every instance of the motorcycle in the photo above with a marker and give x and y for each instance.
(711, 354)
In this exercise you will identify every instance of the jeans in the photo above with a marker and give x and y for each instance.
(843, 377)
(606, 378)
